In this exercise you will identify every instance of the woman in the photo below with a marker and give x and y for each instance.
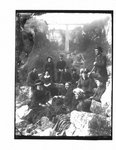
(49, 66)
(49, 85)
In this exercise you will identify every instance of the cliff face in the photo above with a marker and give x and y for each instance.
(36, 47)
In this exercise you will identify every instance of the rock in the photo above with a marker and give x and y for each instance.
(99, 108)
(103, 108)
(22, 111)
(96, 107)
(47, 132)
(88, 124)
(45, 123)
(106, 97)
(70, 131)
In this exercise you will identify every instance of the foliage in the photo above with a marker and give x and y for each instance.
(89, 34)
(99, 126)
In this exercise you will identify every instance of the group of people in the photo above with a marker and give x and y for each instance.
(77, 89)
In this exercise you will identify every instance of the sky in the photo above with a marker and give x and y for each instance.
(58, 20)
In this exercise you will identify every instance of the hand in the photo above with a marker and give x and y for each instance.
(89, 73)
(94, 63)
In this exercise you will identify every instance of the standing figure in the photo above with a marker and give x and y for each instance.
(100, 73)
(60, 66)
(49, 66)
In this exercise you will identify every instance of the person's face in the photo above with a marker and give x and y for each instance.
(39, 87)
(76, 95)
(66, 85)
(96, 52)
(49, 60)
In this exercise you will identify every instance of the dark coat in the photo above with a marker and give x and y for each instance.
(32, 77)
(66, 77)
(100, 66)
(75, 77)
(49, 67)
(86, 85)
(61, 65)
(38, 97)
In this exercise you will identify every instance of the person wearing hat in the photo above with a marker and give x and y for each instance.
(60, 66)
(49, 66)
(100, 72)
(40, 95)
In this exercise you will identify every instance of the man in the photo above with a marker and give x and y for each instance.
(60, 66)
(100, 73)
(38, 102)
(40, 95)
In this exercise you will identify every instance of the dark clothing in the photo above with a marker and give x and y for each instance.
(84, 105)
(52, 89)
(75, 77)
(47, 80)
(59, 76)
(61, 65)
(100, 75)
(39, 97)
(50, 68)
(99, 92)
(87, 85)
(66, 77)
(69, 97)
(100, 67)
(32, 77)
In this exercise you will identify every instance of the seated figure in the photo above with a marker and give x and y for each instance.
(87, 84)
(49, 85)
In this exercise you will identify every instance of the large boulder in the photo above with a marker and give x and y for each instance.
(88, 124)
(107, 96)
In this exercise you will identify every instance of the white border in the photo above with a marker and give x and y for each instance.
(7, 49)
